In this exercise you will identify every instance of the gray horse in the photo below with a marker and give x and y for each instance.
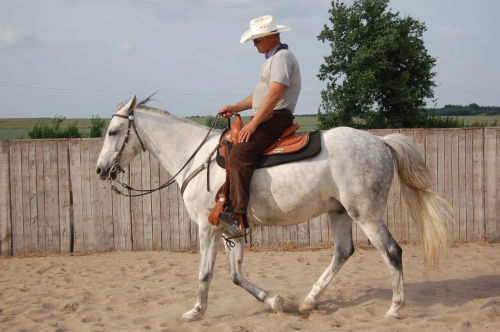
(349, 180)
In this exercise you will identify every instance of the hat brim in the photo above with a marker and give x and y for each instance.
(247, 35)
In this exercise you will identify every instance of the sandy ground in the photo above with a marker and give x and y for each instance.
(140, 291)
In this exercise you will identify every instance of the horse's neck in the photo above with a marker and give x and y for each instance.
(170, 139)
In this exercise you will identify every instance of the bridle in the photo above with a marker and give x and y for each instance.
(116, 162)
(116, 166)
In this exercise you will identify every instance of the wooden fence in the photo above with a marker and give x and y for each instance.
(52, 201)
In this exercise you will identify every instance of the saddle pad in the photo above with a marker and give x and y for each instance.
(312, 148)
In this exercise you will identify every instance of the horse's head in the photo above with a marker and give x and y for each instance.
(121, 143)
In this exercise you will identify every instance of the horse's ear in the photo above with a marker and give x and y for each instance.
(131, 105)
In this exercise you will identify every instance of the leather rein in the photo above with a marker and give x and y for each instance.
(142, 192)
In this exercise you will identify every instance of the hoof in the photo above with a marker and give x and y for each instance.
(191, 316)
(278, 304)
(393, 314)
(307, 306)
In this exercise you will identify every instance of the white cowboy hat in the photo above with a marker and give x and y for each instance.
(261, 27)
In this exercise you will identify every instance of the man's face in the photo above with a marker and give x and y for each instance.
(264, 44)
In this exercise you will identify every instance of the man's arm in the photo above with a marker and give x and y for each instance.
(265, 111)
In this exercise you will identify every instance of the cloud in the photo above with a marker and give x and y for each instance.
(125, 46)
(452, 33)
(14, 38)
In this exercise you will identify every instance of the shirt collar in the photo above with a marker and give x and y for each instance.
(276, 50)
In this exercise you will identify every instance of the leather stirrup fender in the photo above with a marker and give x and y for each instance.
(213, 217)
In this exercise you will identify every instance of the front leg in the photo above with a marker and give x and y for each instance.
(235, 256)
(209, 243)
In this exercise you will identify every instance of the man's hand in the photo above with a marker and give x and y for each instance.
(246, 132)
(227, 111)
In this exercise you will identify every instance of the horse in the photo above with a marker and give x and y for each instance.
(349, 180)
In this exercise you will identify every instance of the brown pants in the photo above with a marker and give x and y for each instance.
(244, 157)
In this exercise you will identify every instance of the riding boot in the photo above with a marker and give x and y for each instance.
(233, 222)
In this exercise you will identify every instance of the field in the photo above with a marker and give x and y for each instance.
(18, 128)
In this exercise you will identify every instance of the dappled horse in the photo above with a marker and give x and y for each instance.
(349, 180)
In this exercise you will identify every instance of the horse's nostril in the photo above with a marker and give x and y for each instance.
(98, 170)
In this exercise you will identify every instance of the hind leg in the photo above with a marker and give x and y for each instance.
(341, 226)
(379, 235)
(235, 256)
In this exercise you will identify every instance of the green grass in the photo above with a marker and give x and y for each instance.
(18, 128)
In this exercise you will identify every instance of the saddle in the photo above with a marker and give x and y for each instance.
(289, 142)
(291, 146)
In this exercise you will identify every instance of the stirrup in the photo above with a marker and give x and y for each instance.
(232, 224)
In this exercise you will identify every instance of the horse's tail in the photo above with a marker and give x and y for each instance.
(426, 207)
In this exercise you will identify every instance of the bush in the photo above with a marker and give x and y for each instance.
(221, 124)
(40, 131)
(98, 125)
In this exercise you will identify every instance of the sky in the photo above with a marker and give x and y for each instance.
(80, 58)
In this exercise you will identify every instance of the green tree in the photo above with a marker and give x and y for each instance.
(379, 73)
(98, 126)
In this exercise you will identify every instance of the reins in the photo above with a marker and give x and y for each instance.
(142, 192)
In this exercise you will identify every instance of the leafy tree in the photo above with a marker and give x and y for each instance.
(98, 126)
(379, 72)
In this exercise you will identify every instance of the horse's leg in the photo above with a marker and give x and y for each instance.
(209, 242)
(378, 234)
(235, 256)
(341, 226)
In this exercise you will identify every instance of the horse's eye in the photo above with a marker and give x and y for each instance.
(112, 132)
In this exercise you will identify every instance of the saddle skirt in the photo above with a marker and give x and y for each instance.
(291, 146)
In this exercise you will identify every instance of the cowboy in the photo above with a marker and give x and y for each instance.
(273, 102)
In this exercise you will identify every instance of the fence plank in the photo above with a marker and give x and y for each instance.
(64, 196)
(52, 200)
(303, 234)
(326, 236)
(497, 189)
(33, 196)
(478, 184)
(491, 181)
(136, 206)
(155, 203)
(173, 217)
(447, 173)
(455, 178)
(122, 219)
(462, 173)
(102, 213)
(25, 171)
(147, 215)
(165, 211)
(315, 231)
(5, 206)
(77, 194)
(469, 180)
(17, 196)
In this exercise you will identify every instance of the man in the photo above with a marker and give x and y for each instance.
(272, 102)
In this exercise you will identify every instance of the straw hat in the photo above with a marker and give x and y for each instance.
(261, 27)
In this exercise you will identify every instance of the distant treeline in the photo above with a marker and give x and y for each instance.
(459, 110)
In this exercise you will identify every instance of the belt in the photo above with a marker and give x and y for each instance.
(283, 111)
